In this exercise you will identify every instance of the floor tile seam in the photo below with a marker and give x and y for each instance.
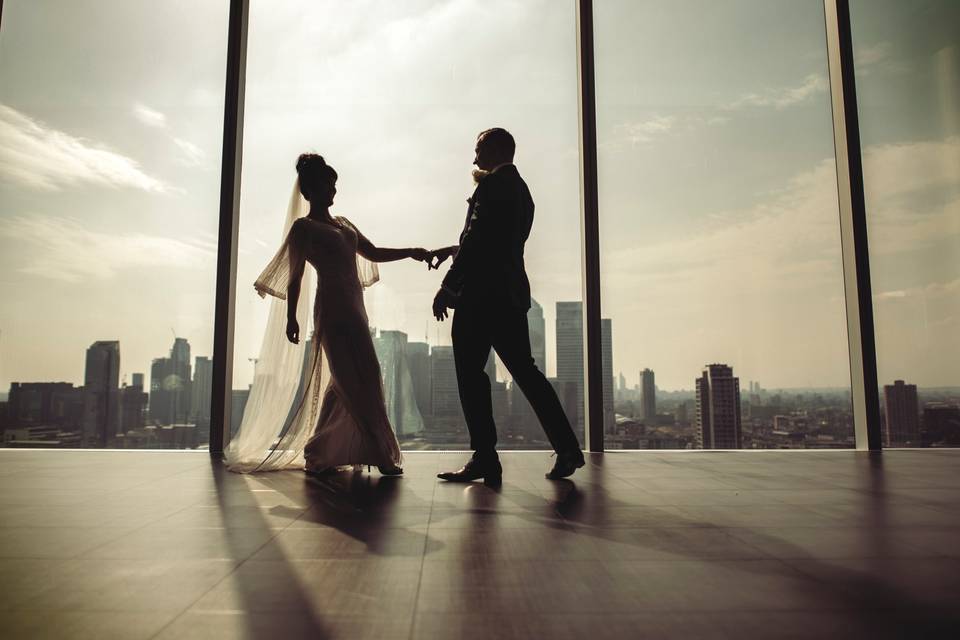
(423, 557)
(234, 570)
(133, 530)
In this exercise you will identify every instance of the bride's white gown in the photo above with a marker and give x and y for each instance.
(320, 404)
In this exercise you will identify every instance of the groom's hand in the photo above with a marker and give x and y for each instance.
(440, 255)
(441, 302)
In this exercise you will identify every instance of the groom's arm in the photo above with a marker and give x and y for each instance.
(476, 240)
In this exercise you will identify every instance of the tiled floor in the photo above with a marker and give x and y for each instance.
(636, 545)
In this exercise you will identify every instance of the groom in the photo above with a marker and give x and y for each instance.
(488, 286)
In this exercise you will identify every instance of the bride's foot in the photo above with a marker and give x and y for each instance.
(320, 472)
(390, 470)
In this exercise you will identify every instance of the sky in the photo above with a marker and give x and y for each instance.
(719, 220)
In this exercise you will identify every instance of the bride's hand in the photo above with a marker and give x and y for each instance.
(420, 254)
(293, 331)
(440, 255)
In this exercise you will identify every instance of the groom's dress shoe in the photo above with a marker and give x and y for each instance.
(567, 462)
(489, 470)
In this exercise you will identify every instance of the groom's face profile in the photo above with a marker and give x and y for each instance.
(485, 158)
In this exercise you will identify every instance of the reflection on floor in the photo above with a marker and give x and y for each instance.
(652, 545)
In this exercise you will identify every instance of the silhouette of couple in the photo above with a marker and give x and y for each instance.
(336, 415)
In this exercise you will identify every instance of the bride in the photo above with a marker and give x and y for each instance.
(319, 405)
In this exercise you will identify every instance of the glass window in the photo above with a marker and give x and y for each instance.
(907, 63)
(720, 243)
(110, 134)
(394, 100)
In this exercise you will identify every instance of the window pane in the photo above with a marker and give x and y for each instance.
(110, 136)
(394, 100)
(907, 62)
(721, 265)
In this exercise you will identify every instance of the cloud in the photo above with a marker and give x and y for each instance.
(192, 155)
(871, 54)
(781, 98)
(911, 194)
(39, 157)
(657, 126)
(65, 250)
(796, 231)
(149, 117)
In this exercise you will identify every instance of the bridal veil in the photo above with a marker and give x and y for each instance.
(289, 379)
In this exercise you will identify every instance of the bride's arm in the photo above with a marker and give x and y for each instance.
(297, 264)
(374, 253)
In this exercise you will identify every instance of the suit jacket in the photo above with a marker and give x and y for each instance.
(489, 268)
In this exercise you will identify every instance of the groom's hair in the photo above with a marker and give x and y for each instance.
(500, 139)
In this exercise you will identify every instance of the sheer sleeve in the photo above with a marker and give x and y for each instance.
(367, 270)
(275, 277)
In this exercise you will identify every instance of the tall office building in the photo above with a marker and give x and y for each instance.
(445, 398)
(941, 424)
(537, 327)
(398, 389)
(238, 403)
(418, 359)
(902, 411)
(648, 395)
(718, 408)
(201, 390)
(57, 404)
(101, 390)
(491, 367)
(606, 366)
(522, 417)
(170, 398)
(570, 356)
(133, 405)
(570, 361)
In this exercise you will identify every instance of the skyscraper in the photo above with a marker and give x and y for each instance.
(941, 424)
(606, 362)
(45, 403)
(418, 359)
(170, 398)
(902, 413)
(101, 390)
(133, 405)
(570, 356)
(538, 335)
(201, 390)
(570, 361)
(398, 388)
(445, 398)
(718, 408)
(648, 395)
(522, 418)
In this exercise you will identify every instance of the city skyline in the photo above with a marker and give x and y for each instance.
(426, 414)
(110, 196)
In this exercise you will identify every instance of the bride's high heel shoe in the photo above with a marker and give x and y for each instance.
(392, 470)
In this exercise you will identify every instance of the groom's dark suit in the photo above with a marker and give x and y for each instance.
(492, 298)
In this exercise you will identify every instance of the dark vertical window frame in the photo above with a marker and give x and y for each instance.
(232, 158)
(853, 227)
(590, 230)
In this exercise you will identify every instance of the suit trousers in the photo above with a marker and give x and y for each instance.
(477, 328)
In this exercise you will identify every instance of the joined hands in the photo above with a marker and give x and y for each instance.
(444, 299)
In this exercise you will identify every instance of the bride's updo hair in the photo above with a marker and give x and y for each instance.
(314, 172)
